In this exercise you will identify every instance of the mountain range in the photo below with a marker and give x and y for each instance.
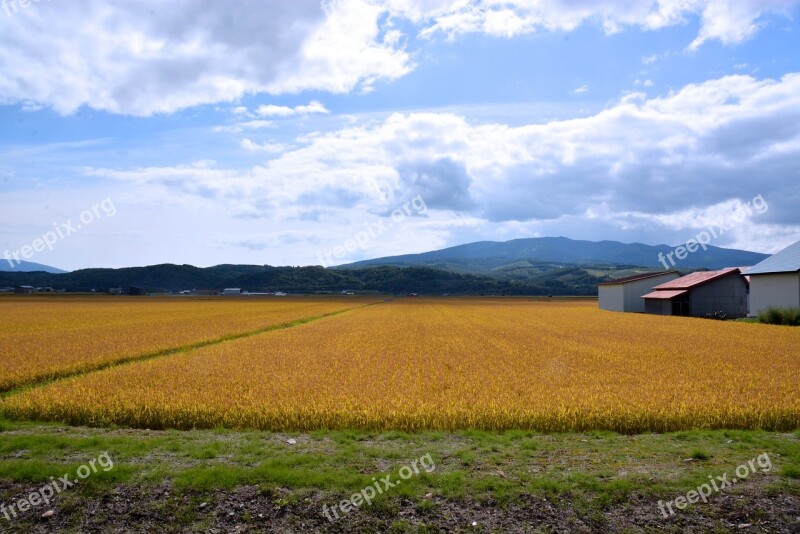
(26, 267)
(536, 266)
(522, 258)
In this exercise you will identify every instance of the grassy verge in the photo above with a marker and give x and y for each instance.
(253, 480)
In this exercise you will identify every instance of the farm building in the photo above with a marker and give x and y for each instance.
(701, 293)
(232, 291)
(205, 292)
(776, 281)
(24, 289)
(625, 294)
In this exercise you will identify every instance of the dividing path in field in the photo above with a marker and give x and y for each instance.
(43, 339)
(455, 363)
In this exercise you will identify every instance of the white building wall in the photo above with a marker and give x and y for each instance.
(612, 298)
(628, 296)
(778, 289)
(634, 291)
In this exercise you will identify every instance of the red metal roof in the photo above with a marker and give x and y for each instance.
(696, 279)
(665, 294)
(635, 277)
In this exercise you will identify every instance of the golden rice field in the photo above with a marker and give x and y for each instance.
(416, 364)
(42, 338)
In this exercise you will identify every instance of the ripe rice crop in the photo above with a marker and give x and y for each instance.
(42, 338)
(455, 363)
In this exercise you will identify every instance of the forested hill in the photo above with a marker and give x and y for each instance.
(254, 278)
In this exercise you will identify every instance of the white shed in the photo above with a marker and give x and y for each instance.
(625, 294)
(776, 281)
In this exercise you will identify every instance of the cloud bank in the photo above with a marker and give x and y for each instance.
(148, 57)
(660, 163)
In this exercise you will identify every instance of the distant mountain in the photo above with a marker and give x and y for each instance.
(539, 266)
(536, 255)
(26, 267)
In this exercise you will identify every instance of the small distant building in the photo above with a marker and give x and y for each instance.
(775, 282)
(205, 292)
(135, 291)
(24, 290)
(232, 291)
(625, 294)
(700, 294)
(280, 294)
(115, 291)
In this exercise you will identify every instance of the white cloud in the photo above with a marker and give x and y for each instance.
(271, 148)
(148, 57)
(245, 125)
(271, 110)
(730, 21)
(312, 107)
(733, 21)
(631, 166)
(581, 89)
(275, 111)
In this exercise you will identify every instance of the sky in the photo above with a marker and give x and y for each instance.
(318, 133)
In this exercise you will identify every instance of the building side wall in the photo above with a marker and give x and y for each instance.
(779, 289)
(611, 298)
(635, 290)
(658, 306)
(727, 295)
(628, 296)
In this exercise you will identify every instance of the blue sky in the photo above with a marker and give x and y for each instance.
(276, 133)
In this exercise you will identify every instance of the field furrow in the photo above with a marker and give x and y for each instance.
(51, 337)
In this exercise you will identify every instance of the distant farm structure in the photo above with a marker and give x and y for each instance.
(700, 294)
(625, 294)
(205, 292)
(775, 282)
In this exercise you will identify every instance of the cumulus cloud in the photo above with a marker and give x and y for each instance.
(148, 57)
(640, 164)
(730, 21)
(271, 110)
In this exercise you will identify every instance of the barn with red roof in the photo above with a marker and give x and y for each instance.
(700, 294)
